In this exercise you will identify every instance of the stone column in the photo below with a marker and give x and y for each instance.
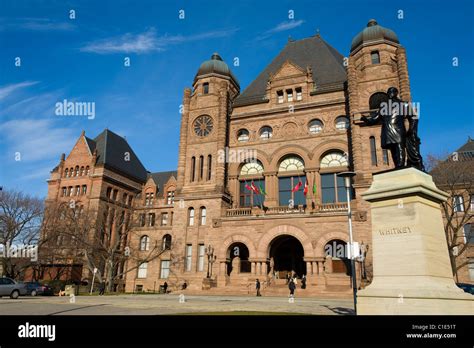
(271, 186)
(253, 268)
(183, 139)
(309, 268)
(264, 268)
(402, 71)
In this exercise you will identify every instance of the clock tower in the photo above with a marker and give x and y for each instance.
(204, 125)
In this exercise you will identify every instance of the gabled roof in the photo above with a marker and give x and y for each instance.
(112, 151)
(467, 147)
(325, 61)
(161, 178)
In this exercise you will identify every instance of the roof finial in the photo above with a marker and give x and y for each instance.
(290, 39)
(372, 22)
(317, 32)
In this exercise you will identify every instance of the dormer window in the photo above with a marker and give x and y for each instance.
(280, 97)
(299, 94)
(375, 57)
(289, 95)
(205, 88)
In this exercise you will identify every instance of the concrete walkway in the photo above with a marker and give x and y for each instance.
(168, 304)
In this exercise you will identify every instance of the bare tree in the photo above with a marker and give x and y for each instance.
(104, 239)
(20, 221)
(456, 177)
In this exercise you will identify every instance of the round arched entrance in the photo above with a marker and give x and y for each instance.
(287, 256)
(238, 257)
(337, 249)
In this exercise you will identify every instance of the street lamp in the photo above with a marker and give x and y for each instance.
(211, 258)
(347, 183)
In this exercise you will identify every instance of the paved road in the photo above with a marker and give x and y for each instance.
(168, 304)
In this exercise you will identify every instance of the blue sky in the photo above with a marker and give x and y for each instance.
(82, 59)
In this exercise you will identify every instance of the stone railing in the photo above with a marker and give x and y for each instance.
(285, 210)
(330, 207)
(238, 212)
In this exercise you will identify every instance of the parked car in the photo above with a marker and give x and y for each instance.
(36, 288)
(469, 288)
(9, 287)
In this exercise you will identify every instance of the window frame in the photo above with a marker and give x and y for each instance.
(142, 270)
(144, 243)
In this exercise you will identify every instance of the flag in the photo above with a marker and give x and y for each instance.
(255, 188)
(247, 186)
(314, 188)
(305, 191)
(297, 187)
(262, 191)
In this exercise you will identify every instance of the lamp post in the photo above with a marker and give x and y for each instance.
(347, 183)
(211, 258)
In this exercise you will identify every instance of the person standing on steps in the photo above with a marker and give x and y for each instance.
(303, 282)
(292, 287)
(257, 286)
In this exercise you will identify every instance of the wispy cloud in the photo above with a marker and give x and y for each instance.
(148, 41)
(7, 90)
(36, 139)
(283, 26)
(35, 24)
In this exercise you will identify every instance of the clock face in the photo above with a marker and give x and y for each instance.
(203, 125)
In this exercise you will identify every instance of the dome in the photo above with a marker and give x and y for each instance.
(372, 33)
(215, 65)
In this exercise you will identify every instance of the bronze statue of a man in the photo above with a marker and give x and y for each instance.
(394, 137)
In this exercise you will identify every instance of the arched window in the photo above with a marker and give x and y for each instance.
(290, 188)
(315, 126)
(76, 172)
(243, 135)
(266, 132)
(375, 57)
(342, 123)
(252, 190)
(373, 151)
(82, 171)
(71, 172)
(209, 167)
(291, 163)
(202, 214)
(144, 243)
(166, 242)
(332, 186)
(376, 99)
(66, 173)
(334, 159)
(252, 168)
(142, 270)
(201, 167)
(193, 168)
(191, 217)
(205, 88)
(87, 170)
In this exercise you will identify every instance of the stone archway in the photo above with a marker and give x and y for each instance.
(264, 244)
(236, 238)
(286, 257)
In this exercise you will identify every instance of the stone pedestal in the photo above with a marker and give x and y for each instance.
(412, 272)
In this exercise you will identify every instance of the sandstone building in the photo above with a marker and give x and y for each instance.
(256, 192)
